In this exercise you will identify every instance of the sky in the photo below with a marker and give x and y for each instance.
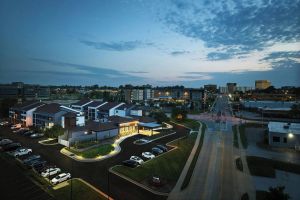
(158, 42)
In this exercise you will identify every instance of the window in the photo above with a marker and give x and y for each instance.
(284, 140)
(276, 139)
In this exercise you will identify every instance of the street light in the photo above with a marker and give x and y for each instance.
(291, 135)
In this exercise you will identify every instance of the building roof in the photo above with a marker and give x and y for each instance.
(95, 104)
(285, 128)
(120, 120)
(106, 107)
(150, 125)
(95, 126)
(32, 106)
(144, 119)
(24, 105)
(125, 106)
(50, 108)
(70, 114)
(82, 102)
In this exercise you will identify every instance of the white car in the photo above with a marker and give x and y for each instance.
(16, 126)
(137, 159)
(22, 152)
(50, 171)
(61, 178)
(148, 155)
(3, 123)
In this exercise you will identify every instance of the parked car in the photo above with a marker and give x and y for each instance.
(148, 155)
(36, 135)
(38, 163)
(156, 181)
(31, 158)
(22, 152)
(156, 151)
(16, 126)
(20, 130)
(34, 162)
(11, 146)
(4, 123)
(5, 142)
(60, 178)
(162, 147)
(50, 172)
(130, 163)
(137, 159)
(28, 133)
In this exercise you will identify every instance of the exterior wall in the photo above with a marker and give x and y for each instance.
(81, 136)
(121, 113)
(136, 112)
(80, 121)
(46, 119)
(284, 140)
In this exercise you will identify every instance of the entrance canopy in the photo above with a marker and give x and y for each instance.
(150, 125)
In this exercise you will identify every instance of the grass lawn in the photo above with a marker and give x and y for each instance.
(79, 191)
(192, 124)
(235, 136)
(94, 152)
(190, 171)
(243, 136)
(259, 166)
(167, 166)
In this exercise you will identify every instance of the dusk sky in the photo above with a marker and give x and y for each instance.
(159, 42)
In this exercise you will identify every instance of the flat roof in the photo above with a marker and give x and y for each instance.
(150, 125)
(283, 127)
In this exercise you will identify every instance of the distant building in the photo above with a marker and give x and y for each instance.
(137, 95)
(211, 88)
(231, 87)
(223, 90)
(262, 84)
(243, 88)
(284, 134)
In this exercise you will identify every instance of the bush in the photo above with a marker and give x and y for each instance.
(54, 131)
(179, 114)
(159, 116)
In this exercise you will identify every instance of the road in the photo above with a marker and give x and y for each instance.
(215, 175)
(97, 173)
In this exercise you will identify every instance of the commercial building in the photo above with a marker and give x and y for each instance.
(223, 90)
(231, 87)
(284, 134)
(210, 88)
(262, 84)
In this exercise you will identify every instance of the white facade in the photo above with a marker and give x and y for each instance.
(113, 110)
(136, 112)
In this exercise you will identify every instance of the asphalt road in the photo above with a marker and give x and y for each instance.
(97, 173)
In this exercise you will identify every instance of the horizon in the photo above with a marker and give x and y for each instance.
(166, 43)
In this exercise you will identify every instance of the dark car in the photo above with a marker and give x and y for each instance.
(31, 158)
(40, 166)
(33, 162)
(130, 163)
(162, 147)
(156, 151)
(11, 147)
(28, 133)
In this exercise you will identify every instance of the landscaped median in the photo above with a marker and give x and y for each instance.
(167, 166)
(95, 153)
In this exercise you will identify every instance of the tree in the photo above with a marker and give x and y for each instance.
(295, 110)
(5, 104)
(54, 131)
(179, 114)
(159, 116)
(277, 193)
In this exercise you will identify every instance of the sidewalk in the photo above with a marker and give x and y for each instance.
(175, 193)
(246, 184)
(117, 150)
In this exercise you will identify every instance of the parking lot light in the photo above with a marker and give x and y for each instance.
(290, 135)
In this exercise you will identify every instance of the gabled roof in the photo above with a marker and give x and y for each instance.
(50, 108)
(95, 126)
(120, 120)
(24, 105)
(95, 104)
(82, 102)
(33, 106)
(126, 106)
(106, 107)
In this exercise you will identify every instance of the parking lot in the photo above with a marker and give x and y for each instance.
(15, 185)
(97, 173)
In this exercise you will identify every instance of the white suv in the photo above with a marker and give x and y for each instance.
(61, 178)
(22, 152)
(137, 159)
(51, 171)
(148, 155)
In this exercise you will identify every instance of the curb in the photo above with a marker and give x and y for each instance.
(42, 142)
(149, 141)
(116, 151)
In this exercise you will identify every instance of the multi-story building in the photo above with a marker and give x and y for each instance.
(244, 88)
(107, 110)
(231, 87)
(223, 90)
(210, 88)
(23, 113)
(137, 95)
(93, 111)
(262, 84)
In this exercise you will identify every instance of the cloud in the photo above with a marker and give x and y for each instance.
(177, 53)
(117, 46)
(282, 54)
(218, 56)
(236, 26)
(71, 69)
(137, 72)
(195, 76)
(283, 59)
